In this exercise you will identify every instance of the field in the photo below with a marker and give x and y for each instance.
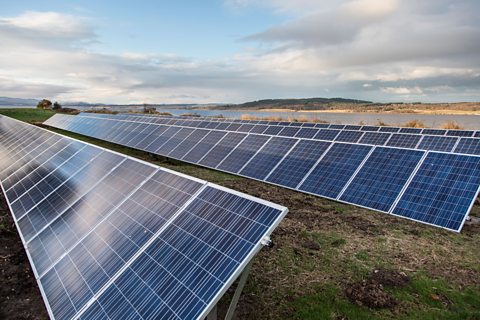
(329, 261)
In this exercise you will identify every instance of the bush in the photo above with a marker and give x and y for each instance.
(44, 104)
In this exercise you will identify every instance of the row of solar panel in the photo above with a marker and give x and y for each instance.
(402, 140)
(367, 128)
(430, 187)
(112, 237)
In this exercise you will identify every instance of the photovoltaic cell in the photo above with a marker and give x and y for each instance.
(411, 130)
(289, 131)
(381, 178)
(437, 143)
(468, 146)
(273, 130)
(389, 129)
(222, 149)
(404, 140)
(243, 153)
(460, 133)
(375, 138)
(268, 157)
(370, 128)
(307, 133)
(434, 132)
(349, 136)
(335, 169)
(297, 163)
(441, 192)
(327, 134)
(201, 149)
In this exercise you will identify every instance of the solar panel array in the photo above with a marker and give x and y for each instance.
(457, 141)
(381, 178)
(113, 237)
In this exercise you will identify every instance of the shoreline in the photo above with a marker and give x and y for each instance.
(412, 112)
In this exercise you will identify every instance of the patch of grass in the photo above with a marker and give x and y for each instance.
(451, 125)
(427, 298)
(414, 124)
(27, 115)
(329, 303)
(362, 255)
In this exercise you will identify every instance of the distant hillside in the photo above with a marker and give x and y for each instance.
(6, 101)
(296, 104)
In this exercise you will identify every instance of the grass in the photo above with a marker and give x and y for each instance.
(28, 115)
(323, 247)
(414, 124)
(452, 125)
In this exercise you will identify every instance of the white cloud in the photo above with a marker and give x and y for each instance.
(404, 90)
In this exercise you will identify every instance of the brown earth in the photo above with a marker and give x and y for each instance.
(19, 294)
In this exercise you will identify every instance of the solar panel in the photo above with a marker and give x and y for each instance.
(336, 126)
(437, 143)
(468, 146)
(404, 140)
(443, 190)
(305, 164)
(349, 136)
(187, 144)
(460, 133)
(434, 132)
(477, 134)
(381, 178)
(411, 130)
(297, 163)
(222, 149)
(375, 138)
(327, 134)
(335, 169)
(273, 130)
(242, 153)
(109, 226)
(352, 127)
(268, 157)
(370, 128)
(389, 129)
(307, 133)
(289, 131)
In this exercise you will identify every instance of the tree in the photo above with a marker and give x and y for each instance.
(44, 104)
(57, 106)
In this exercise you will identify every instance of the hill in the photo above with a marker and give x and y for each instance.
(296, 104)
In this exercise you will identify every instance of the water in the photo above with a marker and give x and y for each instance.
(471, 122)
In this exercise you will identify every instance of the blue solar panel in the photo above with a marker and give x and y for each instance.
(352, 127)
(349, 136)
(298, 163)
(273, 130)
(442, 191)
(322, 125)
(404, 140)
(336, 126)
(289, 131)
(460, 133)
(335, 169)
(174, 141)
(411, 130)
(186, 145)
(375, 138)
(307, 133)
(308, 125)
(434, 132)
(327, 134)
(222, 149)
(381, 178)
(389, 129)
(477, 134)
(268, 157)
(201, 149)
(370, 128)
(233, 127)
(246, 128)
(111, 225)
(468, 146)
(242, 153)
(259, 128)
(437, 143)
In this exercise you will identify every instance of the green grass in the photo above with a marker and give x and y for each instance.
(28, 115)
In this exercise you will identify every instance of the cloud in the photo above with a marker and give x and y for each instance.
(366, 49)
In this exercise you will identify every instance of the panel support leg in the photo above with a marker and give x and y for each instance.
(238, 291)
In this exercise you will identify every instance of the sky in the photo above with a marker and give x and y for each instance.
(233, 51)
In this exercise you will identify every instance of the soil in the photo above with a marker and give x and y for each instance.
(19, 294)
(371, 292)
